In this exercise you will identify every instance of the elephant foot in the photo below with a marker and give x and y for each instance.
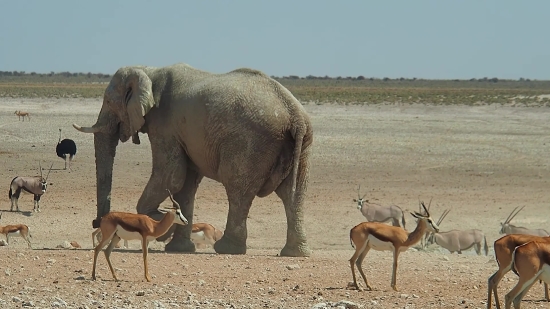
(180, 245)
(296, 251)
(225, 246)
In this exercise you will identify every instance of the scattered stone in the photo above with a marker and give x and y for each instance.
(404, 296)
(75, 245)
(140, 293)
(445, 258)
(65, 245)
(7, 272)
(61, 301)
(3, 242)
(293, 266)
(27, 304)
(16, 299)
(50, 261)
(80, 278)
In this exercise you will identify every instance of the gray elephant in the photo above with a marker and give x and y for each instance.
(241, 128)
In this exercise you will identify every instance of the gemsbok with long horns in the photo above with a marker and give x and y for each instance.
(531, 262)
(115, 226)
(504, 250)
(507, 228)
(458, 240)
(383, 237)
(36, 185)
(378, 213)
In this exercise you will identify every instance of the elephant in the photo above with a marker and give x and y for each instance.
(241, 128)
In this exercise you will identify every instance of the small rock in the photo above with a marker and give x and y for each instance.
(415, 296)
(373, 302)
(320, 306)
(346, 304)
(445, 258)
(7, 272)
(27, 304)
(293, 266)
(16, 299)
(61, 301)
(80, 278)
(140, 293)
(3, 242)
(75, 245)
(404, 296)
(50, 261)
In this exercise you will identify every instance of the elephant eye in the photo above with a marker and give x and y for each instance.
(128, 95)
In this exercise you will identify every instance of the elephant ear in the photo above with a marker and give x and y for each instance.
(138, 98)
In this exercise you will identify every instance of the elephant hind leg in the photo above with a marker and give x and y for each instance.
(234, 237)
(296, 243)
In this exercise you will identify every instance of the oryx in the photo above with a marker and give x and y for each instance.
(458, 240)
(35, 185)
(507, 228)
(378, 213)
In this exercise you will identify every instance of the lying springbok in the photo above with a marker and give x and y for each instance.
(378, 213)
(23, 114)
(507, 228)
(504, 249)
(205, 234)
(129, 226)
(531, 262)
(201, 234)
(383, 237)
(35, 185)
(457, 240)
(16, 230)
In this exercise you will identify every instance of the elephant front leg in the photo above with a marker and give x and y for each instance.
(234, 237)
(181, 239)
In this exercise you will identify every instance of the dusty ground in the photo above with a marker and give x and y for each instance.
(483, 161)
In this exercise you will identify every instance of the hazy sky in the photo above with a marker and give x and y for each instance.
(424, 39)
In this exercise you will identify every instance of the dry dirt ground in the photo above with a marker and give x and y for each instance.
(482, 161)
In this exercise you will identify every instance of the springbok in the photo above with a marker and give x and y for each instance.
(531, 262)
(35, 185)
(201, 234)
(16, 230)
(205, 234)
(458, 240)
(22, 114)
(383, 237)
(124, 225)
(507, 228)
(378, 213)
(504, 249)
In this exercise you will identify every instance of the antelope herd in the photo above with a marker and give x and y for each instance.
(523, 250)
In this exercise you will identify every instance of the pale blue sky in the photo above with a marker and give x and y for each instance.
(424, 39)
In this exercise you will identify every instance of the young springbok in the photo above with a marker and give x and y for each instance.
(504, 250)
(531, 262)
(123, 225)
(507, 228)
(458, 240)
(16, 230)
(378, 213)
(22, 114)
(383, 237)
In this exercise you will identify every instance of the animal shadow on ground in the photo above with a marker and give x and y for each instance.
(24, 213)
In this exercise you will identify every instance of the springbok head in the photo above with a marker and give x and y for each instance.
(44, 181)
(179, 218)
(432, 226)
(506, 222)
(360, 199)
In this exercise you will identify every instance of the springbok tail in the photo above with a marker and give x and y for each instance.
(485, 247)
(350, 241)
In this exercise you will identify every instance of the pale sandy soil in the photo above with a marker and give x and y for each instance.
(482, 161)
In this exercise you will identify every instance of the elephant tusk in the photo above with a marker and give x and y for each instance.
(86, 129)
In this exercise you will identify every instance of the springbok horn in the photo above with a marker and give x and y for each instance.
(515, 214)
(424, 206)
(49, 172)
(86, 129)
(176, 204)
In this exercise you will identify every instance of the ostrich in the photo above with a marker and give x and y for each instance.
(65, 147)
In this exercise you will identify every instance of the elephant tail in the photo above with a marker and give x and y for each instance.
(299, 135)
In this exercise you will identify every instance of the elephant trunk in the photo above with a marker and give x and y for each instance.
(105, 150)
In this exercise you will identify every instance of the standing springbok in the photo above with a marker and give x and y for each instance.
(124, 225)
(531, 262)
(35, 185)
(201, 234)
(22, 114)
(507, 228)
(378, 213)
(458, 240)
(16, 230)
(383, 237)
(504, 249)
